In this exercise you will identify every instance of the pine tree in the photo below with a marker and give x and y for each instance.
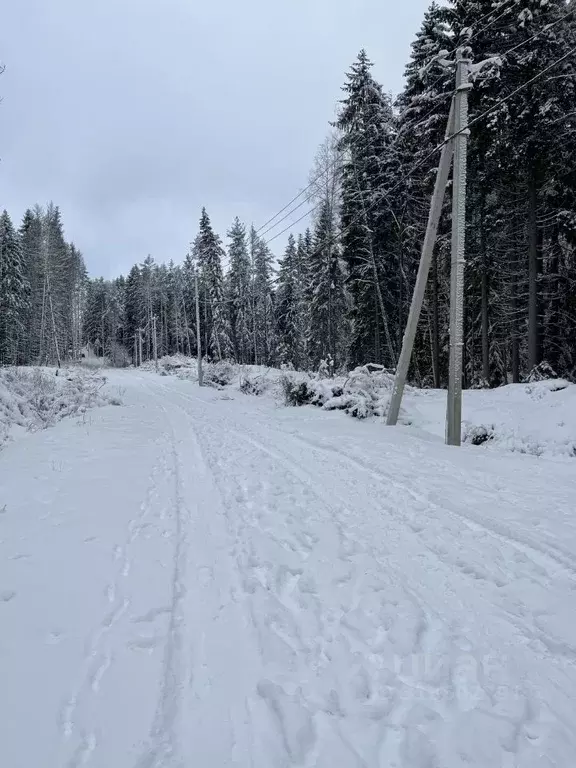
(30, 234)
(326, 294)
(289, 307)
(366, 122)
(55, 324)
(239, 292)
(423, 108)
(14, 293)
(208, 252)
(263, 323)
(133, 308)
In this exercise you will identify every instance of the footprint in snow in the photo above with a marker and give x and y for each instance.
(7, 595)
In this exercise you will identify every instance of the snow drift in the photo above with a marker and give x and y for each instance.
(35, 398)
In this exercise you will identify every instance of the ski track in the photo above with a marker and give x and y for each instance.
(425, 635)
(321, 611)
(163, 748)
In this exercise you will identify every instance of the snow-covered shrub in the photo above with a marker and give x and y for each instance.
(219, 374)
(297, 388)
(253, 384)
(477, 434)
(364, 392)
(35, 398)
(541, 372)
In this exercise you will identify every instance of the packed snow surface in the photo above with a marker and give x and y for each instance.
(202, 579)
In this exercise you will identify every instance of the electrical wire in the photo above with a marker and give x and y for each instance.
(268, 226)
(344, 232)
(419, 121)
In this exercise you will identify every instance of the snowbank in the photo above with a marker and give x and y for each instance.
(249, 379)
(536, 418)
(364, 392)
(35, 398)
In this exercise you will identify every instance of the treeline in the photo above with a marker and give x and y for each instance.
(342, 289)
(43, 286)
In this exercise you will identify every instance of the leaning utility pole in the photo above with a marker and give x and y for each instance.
(455, 145)
(198, 333)
(461, 132)
(155, 342)
(423, 270)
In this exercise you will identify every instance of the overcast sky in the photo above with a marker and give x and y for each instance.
(132, 114)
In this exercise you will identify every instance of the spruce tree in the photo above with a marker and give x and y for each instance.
(30, 234)
(263, 323)
(208, 252)
(326, 294)
(289, 306)
(239, 292)
(366, 123)
(423, 108)
(14, 293)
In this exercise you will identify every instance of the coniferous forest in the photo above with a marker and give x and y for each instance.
(341, 290)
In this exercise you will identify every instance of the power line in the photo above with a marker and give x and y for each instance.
(344, 232)
(267, 242)
(420, 120)
(408, 127)
(326, 170)
(284, 217)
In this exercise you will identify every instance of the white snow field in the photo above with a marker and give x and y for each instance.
(202, 579)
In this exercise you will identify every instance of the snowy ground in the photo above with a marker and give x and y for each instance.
(200, 579)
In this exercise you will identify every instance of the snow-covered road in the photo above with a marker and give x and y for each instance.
(201, 580)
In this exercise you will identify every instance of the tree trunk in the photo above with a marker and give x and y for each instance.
(533, 271)
(485, 298)
(377, 351)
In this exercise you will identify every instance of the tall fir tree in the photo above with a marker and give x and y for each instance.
(30, 234)
(263, 323)
(366, 123)
(327, 337)
(239, 292)
(14, 293)
(208, 252)
(289, 309)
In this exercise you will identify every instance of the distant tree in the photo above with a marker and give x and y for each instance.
(326, 294)
(239, 292)
(208, 253)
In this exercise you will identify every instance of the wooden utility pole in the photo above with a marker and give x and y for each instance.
(198, 333)
(422, 277)
(155, 342)
(140, 346)
(135, 350)
(454, 408)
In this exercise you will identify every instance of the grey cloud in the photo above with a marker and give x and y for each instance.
(132, 115)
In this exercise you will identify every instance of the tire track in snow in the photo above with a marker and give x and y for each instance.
(286, 708)
(515, 538)
(463, 688)
(164, 748)
(196, 679)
